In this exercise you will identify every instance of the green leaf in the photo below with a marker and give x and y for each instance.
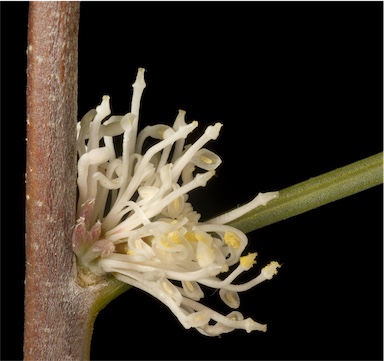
(315, 192)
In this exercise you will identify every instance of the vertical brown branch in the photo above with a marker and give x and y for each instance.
(51, 313)
(59, 313)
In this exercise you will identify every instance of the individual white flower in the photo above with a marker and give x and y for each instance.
(134, 219)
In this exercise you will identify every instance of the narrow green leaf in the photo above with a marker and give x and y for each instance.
(315, 192)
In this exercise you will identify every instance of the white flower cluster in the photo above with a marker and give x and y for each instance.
(135, 221)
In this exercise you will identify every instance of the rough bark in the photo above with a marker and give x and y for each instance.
(55, 309)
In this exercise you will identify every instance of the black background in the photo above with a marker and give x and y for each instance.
(298, 87)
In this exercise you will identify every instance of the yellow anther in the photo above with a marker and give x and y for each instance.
(231, 239)
(200, 318)
(190, 236)
(197, 237)
(206, 159)
(204, 238)
(189, 286)
(175, 237)
(248, 261)
(165, 243)
(200, 238)
(229, 297)
(224, 268)
(176, 204)
(167, 288)
(138, 244)
(130, 253)
(270, 270)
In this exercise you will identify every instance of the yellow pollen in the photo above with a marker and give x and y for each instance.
(130, 253)
(190, 236)
(270, 270)
(224, 268)
(165, 242)
(174, 237)
(231, 239)
(206, 159)
(248, 261)
(202, 238)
